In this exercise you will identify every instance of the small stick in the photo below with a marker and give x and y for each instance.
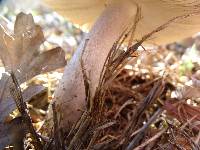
(151, 139)
(16, 93)
(135, 140)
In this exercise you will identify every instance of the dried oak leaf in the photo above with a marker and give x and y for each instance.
(19, 52)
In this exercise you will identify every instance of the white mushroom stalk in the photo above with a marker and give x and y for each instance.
(70, 95)
(111, 17)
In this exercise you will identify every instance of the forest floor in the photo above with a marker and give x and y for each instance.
(153, 103)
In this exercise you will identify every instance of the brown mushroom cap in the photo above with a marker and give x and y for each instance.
(154, 13)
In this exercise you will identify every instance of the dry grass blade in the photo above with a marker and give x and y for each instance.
(118, 62)
(183, 112)
(141, 133)
(93, 139)
(76, 126)
(97, 131)
(133, 28)
(197, 141)
(57, 139)
(86, 79)
(81, 131)
(92, 115)
(122, 59)
(15, 91)
(155, 92)
(181, 139)
(17, 95)
(96, 102)
(84, 134)
(150, 140)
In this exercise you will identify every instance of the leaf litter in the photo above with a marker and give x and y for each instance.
(143, 101)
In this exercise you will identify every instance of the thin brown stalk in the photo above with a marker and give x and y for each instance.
(16, 93)
(151, 139)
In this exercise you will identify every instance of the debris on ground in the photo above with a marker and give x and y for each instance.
(148, 96)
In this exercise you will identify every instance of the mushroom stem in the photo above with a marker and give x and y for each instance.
(70, 94)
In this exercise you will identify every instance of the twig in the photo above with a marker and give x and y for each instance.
(81, 131)
(153, 95)
(92, 141)
(138, 137)
(57, 139)
(136, 20)
(150, 140)
(197, 139)
(85, 78)
(16, 93)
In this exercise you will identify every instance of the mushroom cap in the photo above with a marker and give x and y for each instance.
(154, 13)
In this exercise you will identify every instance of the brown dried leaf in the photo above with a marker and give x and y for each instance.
(183, 112)
(20, 53)
(196, 80)
(8, 105)
(191, 91)
(5, 138)
(45, 62)
(23, 23)
(21, 46)
(4, 40)
(12, 132)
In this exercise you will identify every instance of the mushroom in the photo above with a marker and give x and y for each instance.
(106, 20)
